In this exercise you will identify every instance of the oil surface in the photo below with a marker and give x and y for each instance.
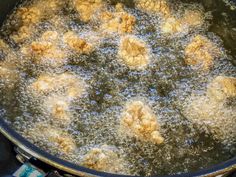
(166, 84)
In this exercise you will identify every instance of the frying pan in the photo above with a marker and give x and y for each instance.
(65, 167)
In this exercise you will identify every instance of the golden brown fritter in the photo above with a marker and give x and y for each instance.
(29, 15)
(9, 75)
(72, 86)
(87, 8)
(104, 158)
(212, 116)
(120, 21)
(56, 137)
(46, 50)
(173, 25)
(77, 44)
(58, 108)
(134, 52)
(192, 18)
(140, 122)
(154, 6)
(24, 33)
(221, 88)
(201, 51)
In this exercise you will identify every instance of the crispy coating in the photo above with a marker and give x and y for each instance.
(222, 88)
(9, 75)
(172, 25)
(87, 8)
(29, 15)
(72, 86)
(201, 51)
(53, 6)
(134, 52)
(212, 117)
(140, 122)
(3, 46)
(104, 158)
(59, 108)
(76, 43)
(154, 6)
(190, 19)
(60, 139)
(24, 33)
(46, 50)
(120, 21)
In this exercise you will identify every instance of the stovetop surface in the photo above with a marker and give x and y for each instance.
(9, 164)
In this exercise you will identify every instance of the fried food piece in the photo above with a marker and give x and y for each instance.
(190, 19)
(29, 15)
(9, 75)
(104, 158)
(53, 6)
(60, 139)
(212, 117)
(172, 26)
(79, 45)
(87, 8)
(3, 46)
(201, 51)
(46, 50)
(154, 6)
(222, 88)
(134, 52)
(59, 108)
(24, 33)
(120, 22)
(72, 86)
(50, 36)
(140, 122)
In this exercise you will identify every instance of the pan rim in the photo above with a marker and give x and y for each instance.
(73, 169)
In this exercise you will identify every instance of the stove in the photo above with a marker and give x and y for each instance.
(10, 162)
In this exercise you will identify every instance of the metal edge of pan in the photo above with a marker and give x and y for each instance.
(73, 169)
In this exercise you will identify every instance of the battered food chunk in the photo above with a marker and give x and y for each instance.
(104, 158)
(24, 33)
(72, 86)
(201, 51)
(4, 47)
(140, 122)
(9, 75)
(46, 50)
(212, 117)
(58, 108)
(154, 6)
(190, 19)
(53, 6)
(87, 8)
(77, 44)
(60, 139)
(29, 15)
(63, 140)
(222, 88)
(172, 26)
(134, 52)
(119, 22)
